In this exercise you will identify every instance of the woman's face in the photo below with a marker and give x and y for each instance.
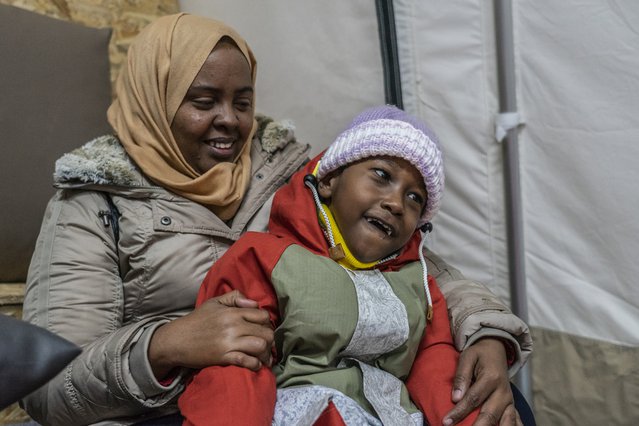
(216, 114)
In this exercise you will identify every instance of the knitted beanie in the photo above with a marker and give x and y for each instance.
(388, 131)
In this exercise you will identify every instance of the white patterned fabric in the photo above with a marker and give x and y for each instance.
(383, 391)
(383, 322)
(302, 405)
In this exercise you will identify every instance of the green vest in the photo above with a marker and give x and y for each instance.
(320, 310)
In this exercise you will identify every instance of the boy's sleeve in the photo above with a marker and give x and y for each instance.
(229, 394)
(430, 382)
(247, 266)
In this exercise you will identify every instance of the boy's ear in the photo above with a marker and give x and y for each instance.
(326, 186)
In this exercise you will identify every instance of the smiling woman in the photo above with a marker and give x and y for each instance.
(216, 115)
(128, 299)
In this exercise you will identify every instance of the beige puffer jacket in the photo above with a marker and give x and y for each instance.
(109, 299)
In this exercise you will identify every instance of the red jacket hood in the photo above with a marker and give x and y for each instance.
(294, 216)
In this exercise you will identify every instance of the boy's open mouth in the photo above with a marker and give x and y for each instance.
(381, 225)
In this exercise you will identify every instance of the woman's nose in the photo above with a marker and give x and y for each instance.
(225, 115)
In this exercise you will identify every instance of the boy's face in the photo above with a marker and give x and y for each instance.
(376, 203)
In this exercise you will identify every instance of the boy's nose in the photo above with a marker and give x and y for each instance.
(393, 202)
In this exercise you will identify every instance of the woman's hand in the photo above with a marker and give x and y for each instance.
(482, 379)
(225, 330)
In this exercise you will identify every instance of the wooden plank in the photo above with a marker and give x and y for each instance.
(11, 293)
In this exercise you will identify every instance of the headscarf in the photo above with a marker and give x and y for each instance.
(161, 64)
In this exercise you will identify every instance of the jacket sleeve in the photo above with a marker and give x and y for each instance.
(74, 290)
(430, 382)
(475, 312)
(233, 395)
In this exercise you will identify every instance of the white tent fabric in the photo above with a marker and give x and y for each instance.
(577, 92)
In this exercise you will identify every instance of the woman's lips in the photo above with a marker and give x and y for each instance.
(223, 148)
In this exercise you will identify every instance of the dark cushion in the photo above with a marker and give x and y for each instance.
(30, 356)
(54, 83)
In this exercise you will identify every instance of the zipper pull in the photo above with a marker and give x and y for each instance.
(105, 217)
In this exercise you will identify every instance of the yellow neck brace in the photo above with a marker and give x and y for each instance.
(348, 261)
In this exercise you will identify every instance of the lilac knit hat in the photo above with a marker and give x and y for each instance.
(387, 130)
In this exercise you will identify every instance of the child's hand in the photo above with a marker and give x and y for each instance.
(482, 379)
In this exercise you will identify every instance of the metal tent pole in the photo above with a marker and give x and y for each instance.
(390, 56)
(512, 184)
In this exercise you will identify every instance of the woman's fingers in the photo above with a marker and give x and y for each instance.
(236, 299)
(230, 329)
(250, 353)
(464, 374)
(511, 417)
(495, 409)
(481, 380)
(213, 334)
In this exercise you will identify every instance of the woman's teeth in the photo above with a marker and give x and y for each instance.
(222, 145)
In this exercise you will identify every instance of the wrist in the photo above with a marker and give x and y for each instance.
(511, 351)
(158, 355)
(498, 342)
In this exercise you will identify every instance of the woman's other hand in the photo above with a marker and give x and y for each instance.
(225, 330)
(482, 379)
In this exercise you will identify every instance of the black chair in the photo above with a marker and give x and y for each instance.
(30, 356)
(523, 408)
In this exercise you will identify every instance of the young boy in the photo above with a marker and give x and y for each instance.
(361, 331)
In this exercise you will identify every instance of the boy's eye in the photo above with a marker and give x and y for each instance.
(417, 198)
(382, 173)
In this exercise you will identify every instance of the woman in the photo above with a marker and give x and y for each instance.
(189, 171)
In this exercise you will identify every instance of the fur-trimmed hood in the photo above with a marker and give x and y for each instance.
(103, 160)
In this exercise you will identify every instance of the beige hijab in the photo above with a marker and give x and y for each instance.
(161, 65)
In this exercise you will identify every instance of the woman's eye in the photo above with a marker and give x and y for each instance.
(243, 104)
(203, 102)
